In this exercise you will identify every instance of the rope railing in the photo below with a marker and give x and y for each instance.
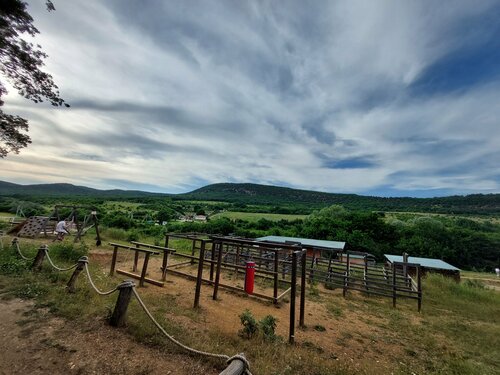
(56, 267)
(185, 347)
(83, 263)
(15, 243)
(91, 282)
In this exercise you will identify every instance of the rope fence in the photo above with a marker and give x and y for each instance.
(237, 364)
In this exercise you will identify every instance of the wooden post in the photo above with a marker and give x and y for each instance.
(405, 268)
(164, 265)
(144, 269)
(136, 259)
(212, 258)
(79, 268)
(96, 226)
(235, 367)
(199, 278)
(393, 285)
(217, 272)
(119, 313)
(293, 291)
(275, 277)
(37, 263)
(237, 262)
(303, 289)
(311, 274)
(113, 261)
(192, 250)
(419, 287)
(166, 240)
(366, 272)
(78, 236)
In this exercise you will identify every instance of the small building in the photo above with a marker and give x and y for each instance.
(427, 265)
(202, 218)
(315, 248)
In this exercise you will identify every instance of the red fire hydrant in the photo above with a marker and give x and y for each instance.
(249, 277)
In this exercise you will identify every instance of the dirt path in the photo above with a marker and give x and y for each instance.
(34, 342)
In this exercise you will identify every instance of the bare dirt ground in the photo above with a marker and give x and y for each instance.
(34, 342)
(352, 338)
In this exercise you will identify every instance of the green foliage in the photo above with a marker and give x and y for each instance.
(268, 327)
(68, 251)
(250, 326)
(133, 235)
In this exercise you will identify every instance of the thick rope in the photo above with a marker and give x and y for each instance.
(54, 266)
(185, 347)
(93, 285)
(19, 250)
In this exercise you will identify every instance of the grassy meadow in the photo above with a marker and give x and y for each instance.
(255, 216)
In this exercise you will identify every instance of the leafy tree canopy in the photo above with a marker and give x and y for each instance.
(21, 65)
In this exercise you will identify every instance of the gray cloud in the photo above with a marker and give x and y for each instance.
(179, 94)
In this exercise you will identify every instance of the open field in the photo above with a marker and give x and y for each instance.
(457, 331)
(255, 216)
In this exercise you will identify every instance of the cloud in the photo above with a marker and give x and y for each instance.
(379, 98)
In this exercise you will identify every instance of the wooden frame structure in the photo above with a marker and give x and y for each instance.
(394, 282)
(81, 227)
(148, 251)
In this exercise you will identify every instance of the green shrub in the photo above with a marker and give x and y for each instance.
(133, 235)
(68, 251)
(268, 327)
(250, 326)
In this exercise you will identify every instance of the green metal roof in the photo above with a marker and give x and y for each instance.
(424, 262)
(333, 245)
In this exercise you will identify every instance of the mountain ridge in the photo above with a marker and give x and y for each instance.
(248, 193)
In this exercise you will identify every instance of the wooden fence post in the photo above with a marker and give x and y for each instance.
(37, 263)
(393, 284)
(291, 335)
(199, 277)
(419, 287)
(119, 313)
(275, 277)
(302, 289)
(113, 261)
(79, 268)
(217, 272)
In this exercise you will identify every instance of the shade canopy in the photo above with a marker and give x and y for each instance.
(424, 262)
(306, 242)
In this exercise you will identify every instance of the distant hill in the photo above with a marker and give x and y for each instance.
(65, 190)
(276, 196)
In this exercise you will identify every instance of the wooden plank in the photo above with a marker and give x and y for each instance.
(134, 276)
(120, 246)
(162, 248)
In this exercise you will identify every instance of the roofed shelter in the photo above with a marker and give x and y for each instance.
(314, 247)
(427, 265)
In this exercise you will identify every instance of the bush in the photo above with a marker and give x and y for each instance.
(268, 327)
(250, 326)
(68, 251)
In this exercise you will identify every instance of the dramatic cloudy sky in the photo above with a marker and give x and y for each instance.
(370, 97)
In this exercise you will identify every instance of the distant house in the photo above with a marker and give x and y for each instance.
(200, 218)
(427, 265)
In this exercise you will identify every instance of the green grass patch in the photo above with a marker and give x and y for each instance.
(256, 216)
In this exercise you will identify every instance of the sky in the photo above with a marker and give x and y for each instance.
(387, 98)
